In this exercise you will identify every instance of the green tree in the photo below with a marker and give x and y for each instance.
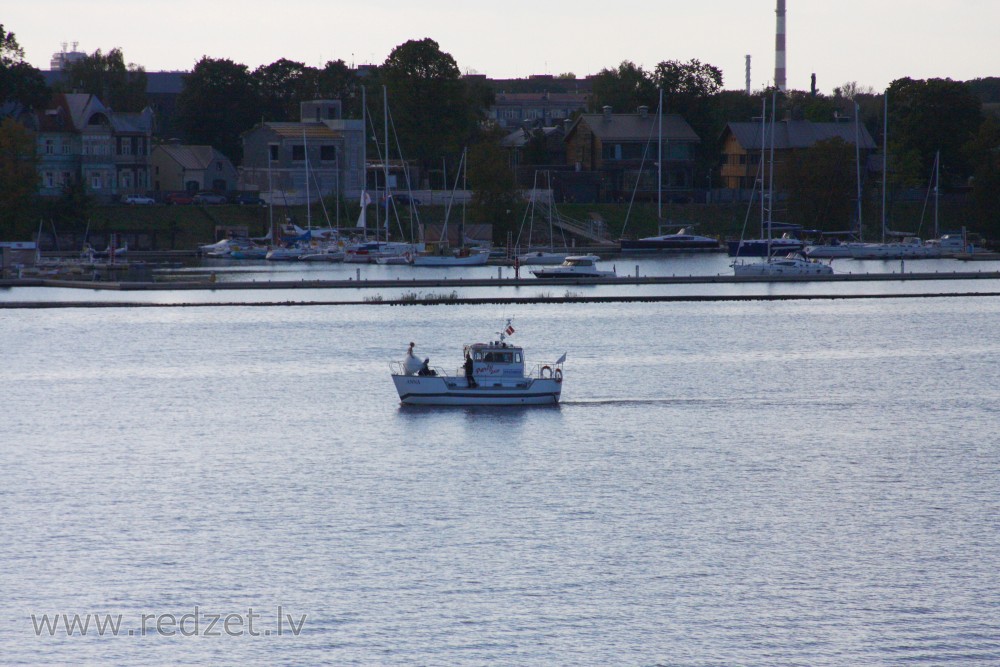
(119, 86)
(218, 103)
(684, 84)
(983, 153)
(18, 174)
(434, 112)
(282, 85)
(928, 116)
(19, 81)
(494, 192)
(821, 184)
(624, 89)
(337, 81)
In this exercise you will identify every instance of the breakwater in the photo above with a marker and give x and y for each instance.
(208, 283)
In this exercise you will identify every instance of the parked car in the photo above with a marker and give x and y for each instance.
(209, 198)
(138, 199)
(248, 199)
(179, 198)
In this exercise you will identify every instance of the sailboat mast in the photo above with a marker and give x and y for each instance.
(885, 156)
(659, 162)
(385, 162)
(857, 162)
(270, 202)
(364, 154)
(770, 174)
(763, 159)
(305, 156)
(937, 192)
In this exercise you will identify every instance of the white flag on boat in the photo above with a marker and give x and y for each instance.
(561, 359)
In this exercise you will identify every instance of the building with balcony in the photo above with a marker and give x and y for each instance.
(81, 141)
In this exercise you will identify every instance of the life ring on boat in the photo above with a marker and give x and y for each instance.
(542, 374)
(558, 375)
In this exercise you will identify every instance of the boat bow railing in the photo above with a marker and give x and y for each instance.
(397, 368)
(546, 370)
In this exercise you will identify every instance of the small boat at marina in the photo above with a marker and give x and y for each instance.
(576, 266)
(493, 374)
(330, 253)
(680, 241)
(542, 258)
(445, 256)
(782, 266)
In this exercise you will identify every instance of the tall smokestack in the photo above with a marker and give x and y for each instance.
(748, 74)
(779, 49)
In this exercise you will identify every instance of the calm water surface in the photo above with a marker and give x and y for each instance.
(809, 483)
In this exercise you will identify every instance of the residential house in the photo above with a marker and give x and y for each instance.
(743, 144)
(531, 149)
(277, 156)
(192, 168)
(515, 110)
(623, 149)
(81, 141)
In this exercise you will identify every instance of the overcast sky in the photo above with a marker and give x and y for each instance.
(871, 41)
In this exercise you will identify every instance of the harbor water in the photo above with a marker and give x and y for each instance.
(759, 483)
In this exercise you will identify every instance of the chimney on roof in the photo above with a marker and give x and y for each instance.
(606, 109)
(779, 48)
(643, 111)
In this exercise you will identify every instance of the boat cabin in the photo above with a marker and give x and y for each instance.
(496, 359)
(581, 260)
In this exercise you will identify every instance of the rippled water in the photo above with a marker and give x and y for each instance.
(809, 483)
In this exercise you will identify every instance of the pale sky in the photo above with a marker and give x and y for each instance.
(871, 41)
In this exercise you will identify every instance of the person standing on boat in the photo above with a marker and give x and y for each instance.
(468, 371)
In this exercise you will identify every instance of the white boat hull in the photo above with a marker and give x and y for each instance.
(783, 267)
(475, 259)
(455, 390)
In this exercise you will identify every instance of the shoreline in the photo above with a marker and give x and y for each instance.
(476, 301)
(489, 282)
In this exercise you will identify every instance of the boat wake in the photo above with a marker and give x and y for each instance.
(647, 401)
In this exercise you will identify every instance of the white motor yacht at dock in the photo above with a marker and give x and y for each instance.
(576, 266)
(493, 374)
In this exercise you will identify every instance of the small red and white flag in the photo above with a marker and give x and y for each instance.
(509, 330)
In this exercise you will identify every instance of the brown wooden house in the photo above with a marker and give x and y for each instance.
(623, 149)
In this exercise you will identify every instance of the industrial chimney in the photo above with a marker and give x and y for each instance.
(748, 74)
(779, 49)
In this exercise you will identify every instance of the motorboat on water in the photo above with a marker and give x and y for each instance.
(328, 253)
(576, 266)
(790, 265)
(225, 247)
(542, 258)
(493, 374)
(680, 241)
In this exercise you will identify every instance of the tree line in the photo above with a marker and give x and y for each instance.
(436, 112)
